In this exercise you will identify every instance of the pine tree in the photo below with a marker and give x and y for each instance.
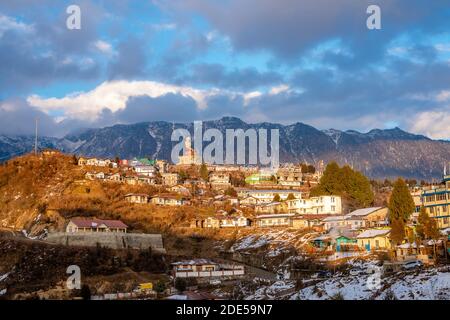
(347, 183)
(401, 204)
(204, 174)
(290, 196)
(397, 231)
(231, 192)
(431, 229)
(422, 222)
(277, 198)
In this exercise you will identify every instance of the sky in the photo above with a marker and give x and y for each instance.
(284, 61)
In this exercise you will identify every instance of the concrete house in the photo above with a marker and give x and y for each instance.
(274, 220)
(225, 221)
(145, 170)
(316, 205)
(200, 268)
(95, 225)
(170, 179)
(374, 239)
(139, 198)
(169, 200)
(372, 217)
(220, 180)
(268, 195)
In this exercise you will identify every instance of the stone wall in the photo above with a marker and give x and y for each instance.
(110, 240)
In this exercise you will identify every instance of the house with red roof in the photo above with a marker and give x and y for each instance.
(95, 225)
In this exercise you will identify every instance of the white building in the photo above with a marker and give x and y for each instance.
(316, 205)
(144, 170)
(268, 195)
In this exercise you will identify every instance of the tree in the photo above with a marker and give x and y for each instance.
(277, 198)
(290, 196)
(85, 292)
(231, 192)
(160, 286)
(180, 284)
(401, 204)
(347, 183)
(204, 174)
(74, 159)
(432, 230)
(397, 231)
(422, 222)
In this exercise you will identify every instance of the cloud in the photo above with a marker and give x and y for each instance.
(18, 118)
(239, 78)
(131, 60)
(169, 107)
(434, 124)
(104, 47)
(290, 27)
(9, 23)
(113, 95)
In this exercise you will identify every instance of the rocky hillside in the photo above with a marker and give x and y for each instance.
(378, 153)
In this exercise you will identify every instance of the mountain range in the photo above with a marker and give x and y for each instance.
(378, 153)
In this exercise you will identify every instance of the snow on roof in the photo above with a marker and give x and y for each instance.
(372, 233)
(364, 211)
(177, 297)
(407, 246)
(335, 218)
(194, 262)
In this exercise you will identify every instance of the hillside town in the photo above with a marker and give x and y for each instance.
(274, 234)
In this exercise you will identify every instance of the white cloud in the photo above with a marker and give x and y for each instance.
(433, 124)
(103, 47)
(113, 95)
(8, 23)
(279, 89)
(251, 95)
(164, 26)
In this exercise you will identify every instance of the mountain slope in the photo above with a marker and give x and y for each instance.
(377, 153)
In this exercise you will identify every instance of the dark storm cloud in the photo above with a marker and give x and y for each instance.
(21, 68)
(223, 105)
(130, 61)
(289, 27)
(169, 107)
(18, 118)
(43, 50)
(241, 79)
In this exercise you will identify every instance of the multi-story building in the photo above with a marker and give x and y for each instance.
(290, 176)
(145, 170)
(316, 205)
(220, 180)
(436, 201)
(170, 179)
(268, 195)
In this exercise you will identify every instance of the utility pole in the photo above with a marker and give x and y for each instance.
(36, 138)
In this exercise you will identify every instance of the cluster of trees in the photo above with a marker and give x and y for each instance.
(307, 168)
(401, 206)
(346, 182)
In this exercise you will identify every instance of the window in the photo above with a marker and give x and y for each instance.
(333, 208)
(377, 243)
(332, 200)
